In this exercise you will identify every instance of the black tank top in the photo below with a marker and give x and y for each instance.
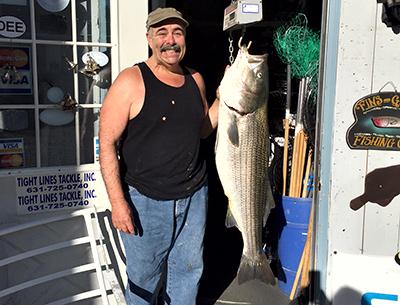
(159, 150)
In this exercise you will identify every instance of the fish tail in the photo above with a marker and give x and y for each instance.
(258, 268)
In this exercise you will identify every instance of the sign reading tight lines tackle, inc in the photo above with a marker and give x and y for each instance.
(55, 192)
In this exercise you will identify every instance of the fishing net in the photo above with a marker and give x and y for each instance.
(309, 114)
(298, 46)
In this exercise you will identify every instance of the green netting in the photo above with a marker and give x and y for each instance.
(298, 46)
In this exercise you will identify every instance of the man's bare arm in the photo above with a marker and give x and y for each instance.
(211, 113)
(114, 116)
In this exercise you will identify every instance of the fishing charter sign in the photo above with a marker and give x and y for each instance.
(56, 191)
(377, 122)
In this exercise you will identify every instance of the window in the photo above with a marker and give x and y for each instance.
(55, 70)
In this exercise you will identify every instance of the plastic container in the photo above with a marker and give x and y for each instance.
(296, 214)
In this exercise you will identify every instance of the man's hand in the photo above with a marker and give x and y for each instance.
(122, 218)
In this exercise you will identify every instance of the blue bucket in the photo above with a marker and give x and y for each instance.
(296, 214)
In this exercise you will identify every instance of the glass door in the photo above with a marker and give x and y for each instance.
(56, 65)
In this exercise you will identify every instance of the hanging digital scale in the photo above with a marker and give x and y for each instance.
(242, 12)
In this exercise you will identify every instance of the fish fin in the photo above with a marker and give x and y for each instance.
(270, 204)
(258, 268)
(266, 215)
(233, 133)
(216, 143)
(230, 221)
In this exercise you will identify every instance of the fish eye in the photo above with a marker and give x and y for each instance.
(259, 75)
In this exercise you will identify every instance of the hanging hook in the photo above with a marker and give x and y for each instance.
(242, 36)
(240, 43)
(387, 83)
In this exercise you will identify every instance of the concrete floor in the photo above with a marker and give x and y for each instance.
(252, 293)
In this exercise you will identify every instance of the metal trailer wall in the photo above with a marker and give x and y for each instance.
(355, 249)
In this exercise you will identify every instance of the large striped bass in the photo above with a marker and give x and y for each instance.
(242, 151)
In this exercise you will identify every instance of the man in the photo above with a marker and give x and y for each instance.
(157, 112)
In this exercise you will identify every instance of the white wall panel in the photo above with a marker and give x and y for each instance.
(368, 58)
(373, 279)
(381, 232)
(354, 77)
(132, 17)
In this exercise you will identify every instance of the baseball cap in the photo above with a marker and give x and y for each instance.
(161, 14)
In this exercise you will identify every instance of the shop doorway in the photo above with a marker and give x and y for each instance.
(207, 52)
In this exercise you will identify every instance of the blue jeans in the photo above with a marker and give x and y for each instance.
(168, 245)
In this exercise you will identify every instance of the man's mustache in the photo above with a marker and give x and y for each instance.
(170, 47)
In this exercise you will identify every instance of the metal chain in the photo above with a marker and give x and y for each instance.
(231, 58)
